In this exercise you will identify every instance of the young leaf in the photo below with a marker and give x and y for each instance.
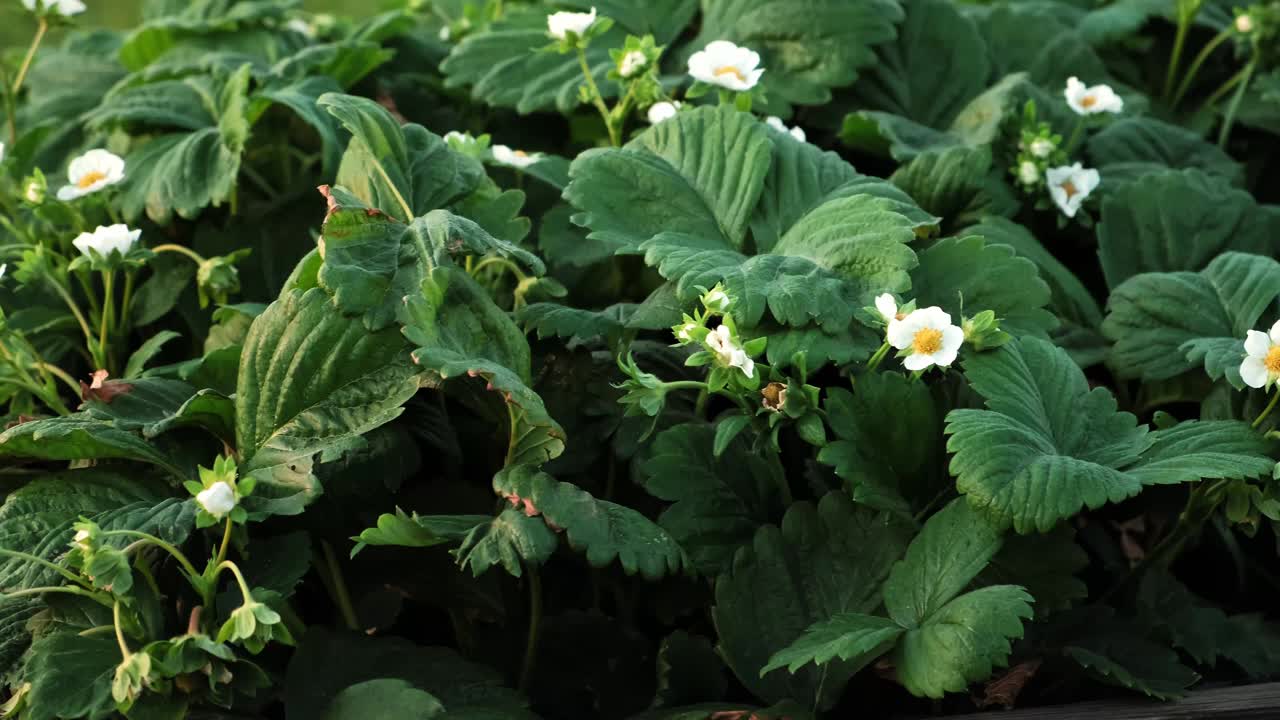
(1156, 340)
(404, 530)
(824, 560)
(604, 530)
(719, 501)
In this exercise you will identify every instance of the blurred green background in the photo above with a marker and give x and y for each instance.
(17, 25)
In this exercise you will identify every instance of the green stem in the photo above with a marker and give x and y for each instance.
(18, 555)
(124, 303)
(41, 29)
(75, 309)
(167, 547)
(226, 541)
(878, 357)
(99, 598)
(1230, 119)
(340, 594)
(700, 405)
(115, 620)
(501, 262)
(108, 291)
(1199, 60)
(235, 570)
(59, 373)
(1075, 135)
(596, 98)
(535, 628)
(404, 205)
(196, 257)
(1270, 406)
(1223, 89)
(1180, 40)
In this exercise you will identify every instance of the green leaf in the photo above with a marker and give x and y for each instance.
(505, 65)
(14, 636)
(184, 173)
(37, 517)
(1030, 39)
(848, 636)
(387, 163)
(954, 546)
(1204, 450)
(962, 642)
(1179, 220)
(460, 332)
(699, 174)
(199, 18)
(808, 47)
(301, 97)
(146, 351)
(154, 406)
(824, 560)
(967, 274)
(1112, 651)
(888, 448)
(577, 327)
(718, 501)
(512, 539)
(1045, 564)
(935, 66)
(386, 697)
(1203, 631)
(1047, 445)
(417, 530)
(1133, 146)
(311, 379)
(1155, 338)
(71, 676)
(82, 437)
(327, 662)
(664, 19)
(605, 531)
(372, 261)
(949, 183)
(688, 670)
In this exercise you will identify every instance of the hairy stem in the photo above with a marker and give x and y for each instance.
(535, 628)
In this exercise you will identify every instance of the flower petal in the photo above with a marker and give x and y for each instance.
(1253, 372)
(1274, 333)
(917, 361)
(1257, 344)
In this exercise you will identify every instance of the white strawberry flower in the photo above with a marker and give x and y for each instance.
(105, 240)
(218, 499)
(90, 173)
(560, 24)
(1091, 100)
(3, 268)
(514, 158)
(1042, 147)
(887, 307)
(726, 65)
(727, 351)
(716, 300)
(1, 152)
(796, 132)
(1029, 173)
(929, 335)
(1261, 366)
(1069, 185)
(632, 63)
(302, 27)
(685, 333)
(66, 8)
(1244, 24)
(662, 111)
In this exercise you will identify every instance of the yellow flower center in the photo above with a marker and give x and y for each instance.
(1088, 101)
(521, 154)
(88, 179)
(730, 70)
(927, 341)
(1069, 188)
(1272, 361)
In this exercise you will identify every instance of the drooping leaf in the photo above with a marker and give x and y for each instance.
(82, 437)
(807, 47)
(718, 501)
(311, 378)
(605, 531)
(1179, 220)
(154, 406)
(1167, 323)
(512, 539)
(823, 560)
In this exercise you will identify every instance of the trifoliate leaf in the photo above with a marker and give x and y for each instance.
(824, 560)
(505, 64)
(698, 174)
(808, 47)
(849, 636)
(311, 379)
(605, 531)
(387, 165)
(1047, 445)
(512, 540)
(889, 449)
(1157, 338)
(719, 501)
(460, 332)
(1133, 147)
(1179, 220)
(967, 275)
(936, 65)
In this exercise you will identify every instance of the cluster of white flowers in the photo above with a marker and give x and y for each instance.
(90, 173)
(723, 64)
(927, 333)
(1261, 366)
(728, 352)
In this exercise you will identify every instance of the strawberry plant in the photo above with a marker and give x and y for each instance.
(661, 359)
